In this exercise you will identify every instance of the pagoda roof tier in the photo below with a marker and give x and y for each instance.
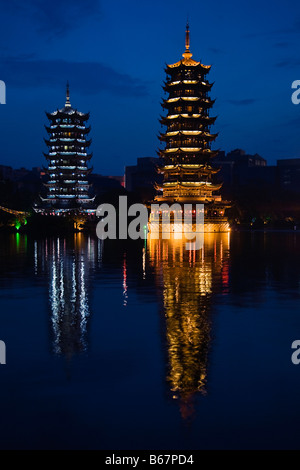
(187, 133)
(58, 198)
(200, 85)
(185, 63)
(86, 200)
(69, 168)
(68, 171)
(67, 141)
(173, 152)
(189, 168)
(191, 184)
(71, 193)
(198, 118)
(68, 156)
(187, 100)
(67, 128)
(68, 112)
(63, 183)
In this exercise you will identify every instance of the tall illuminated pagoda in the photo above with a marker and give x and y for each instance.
(187, 170)
(68, 189)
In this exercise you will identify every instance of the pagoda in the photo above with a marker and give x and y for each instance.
(186, 168)
(68, 189)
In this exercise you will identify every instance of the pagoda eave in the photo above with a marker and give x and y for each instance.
(187, 134)
(183, 63)
(186, 151)
(171, 87)
(191, 185)
(188, 169)
(68, 128)
(69, 113)
(208, 120)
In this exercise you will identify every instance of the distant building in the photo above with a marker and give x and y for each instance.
(239, 168)
(6, 172)
(121, 179)
(240, 157)
(142, 177)
(103, 184)
(289, 174)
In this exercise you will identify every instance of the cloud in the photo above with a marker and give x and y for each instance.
(87, 77)
(288, 63)
(57, 17)
(281, 45)
(244, 102)
(294, 28)
(216, 50)
(292, 122)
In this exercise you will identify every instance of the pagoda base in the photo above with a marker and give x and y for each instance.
(214, 212)
(209, 226)
(188, 200)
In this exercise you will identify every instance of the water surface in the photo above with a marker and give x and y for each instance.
(147, 345)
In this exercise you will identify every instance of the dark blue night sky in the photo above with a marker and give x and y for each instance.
(113, 54)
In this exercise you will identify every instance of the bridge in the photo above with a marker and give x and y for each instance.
(21, 216)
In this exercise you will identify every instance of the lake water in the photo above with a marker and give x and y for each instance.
(147, 345)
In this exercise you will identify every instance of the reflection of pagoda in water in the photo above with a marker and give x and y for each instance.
(188, 279)
(68, 266)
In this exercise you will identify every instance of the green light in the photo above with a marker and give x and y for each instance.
(18, 224)
(18, 240)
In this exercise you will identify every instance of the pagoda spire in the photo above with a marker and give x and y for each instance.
(68, 104)
(187, 54)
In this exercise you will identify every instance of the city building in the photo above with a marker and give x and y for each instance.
(103, 184)
(237, 168)
(289, 174)
(143, 177)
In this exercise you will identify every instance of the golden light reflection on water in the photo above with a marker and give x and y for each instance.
(189, 279)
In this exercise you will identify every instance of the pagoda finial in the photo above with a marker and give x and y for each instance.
(187, 36)
(187, 54)
(68, 104)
